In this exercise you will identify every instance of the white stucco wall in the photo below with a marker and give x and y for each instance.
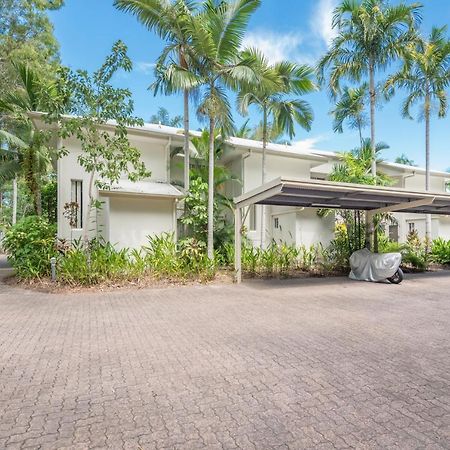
(312, 229)
(125, 221)
(133, 219)
(298, 226)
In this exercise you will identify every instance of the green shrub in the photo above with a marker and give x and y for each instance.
(414, 252)
(186, 259)
(29, 245)
(98, 263)
(440, 251)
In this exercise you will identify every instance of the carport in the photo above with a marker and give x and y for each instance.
(332, 195)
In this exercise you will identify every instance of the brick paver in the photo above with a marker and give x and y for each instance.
(286, 364)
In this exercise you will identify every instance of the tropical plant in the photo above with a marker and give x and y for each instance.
(29, 245)
(106, 155)
(440, 251)
(216, 35)
(351, 108)
(272, 97)
(27, 151)
(355, 166)
(162, 117)
(167, 18)
(370, 35)
(404, 159)
(195, 217)
(426, 77)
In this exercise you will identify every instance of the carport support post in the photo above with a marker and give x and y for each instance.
(237, 245)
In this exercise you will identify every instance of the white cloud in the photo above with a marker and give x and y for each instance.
(321, 21)
(145, 67)
(275, 46)
(307, 145)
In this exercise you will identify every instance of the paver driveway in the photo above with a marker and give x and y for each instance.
(298, 364)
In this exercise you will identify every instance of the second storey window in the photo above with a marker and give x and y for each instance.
(447, 186)
(76, 198)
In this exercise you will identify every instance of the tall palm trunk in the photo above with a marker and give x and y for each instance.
(186, 141)
(211, 189)
(264, 176)
(427, 166)
(187, 164)
(372, 94)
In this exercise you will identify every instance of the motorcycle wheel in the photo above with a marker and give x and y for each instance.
(397, 278)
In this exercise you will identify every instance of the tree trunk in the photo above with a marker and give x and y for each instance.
(14, 202)
(360, 133)
(187, 164)
(211, 190)
(372, 94)
(87, 213)
(264, 176)
(186, 142)
(427, 167)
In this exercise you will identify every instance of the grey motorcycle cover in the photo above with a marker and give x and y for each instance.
(368, 266)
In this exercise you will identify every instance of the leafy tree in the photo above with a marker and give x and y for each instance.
(404, 159)
(350, 109)
(371, 35)
(426, 77)
(26, 34)
(272, 98)
(94, 102)
(167, 18)
(163, 117)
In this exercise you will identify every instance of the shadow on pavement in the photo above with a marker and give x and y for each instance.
(275, 283)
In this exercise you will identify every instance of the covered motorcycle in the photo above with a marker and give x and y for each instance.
(368, 266)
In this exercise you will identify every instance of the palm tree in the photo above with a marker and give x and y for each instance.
(216, 34)
(32, 154)
(371, 34)
(271, 97)
(426, 77)
(167, 19)
(162, 117)
(351, 109)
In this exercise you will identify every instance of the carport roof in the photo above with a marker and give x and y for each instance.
(327, 194)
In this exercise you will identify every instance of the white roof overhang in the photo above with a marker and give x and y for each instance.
(143, 188)
(332, 195)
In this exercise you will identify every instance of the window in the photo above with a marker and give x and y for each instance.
(76, 199)
(252, 218)
(276, 223)
(393, 233)
(412, 227)
(447, 186)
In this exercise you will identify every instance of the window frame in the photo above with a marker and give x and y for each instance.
(76, 187)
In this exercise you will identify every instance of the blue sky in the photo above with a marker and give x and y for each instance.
(293, 29)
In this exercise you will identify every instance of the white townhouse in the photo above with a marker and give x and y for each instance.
(133, 211)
